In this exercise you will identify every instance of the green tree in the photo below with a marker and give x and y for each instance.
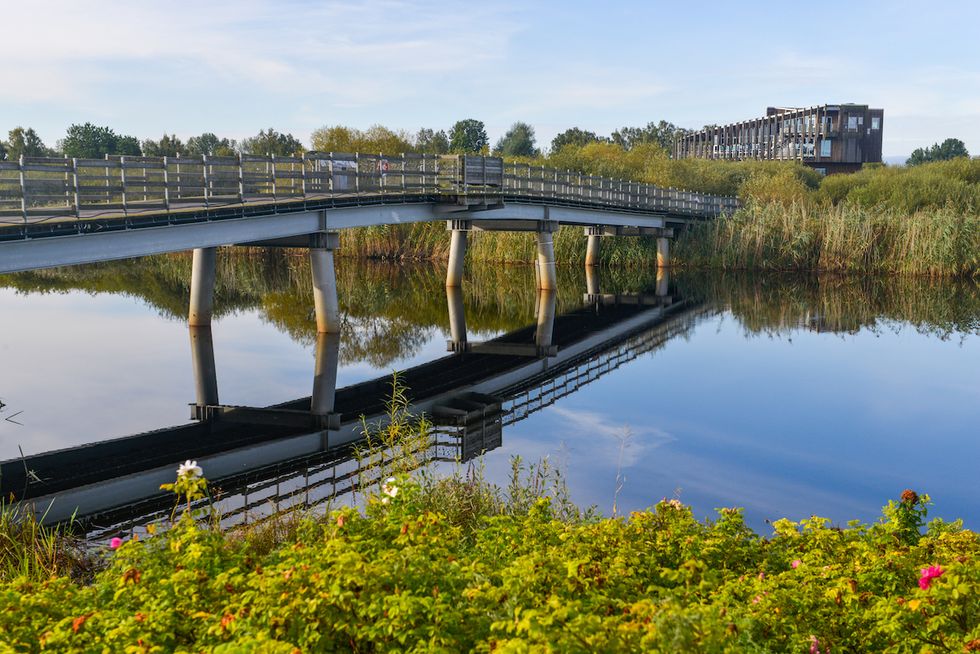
(517, 142)
(272, 142)
(948, 149)
(574, 136)
(468, 136)
(209, 144)
(428, 141)
(662, 133)
(90, 141)
(168, 146)
(377, 138)
(3, 150)
(25, 142)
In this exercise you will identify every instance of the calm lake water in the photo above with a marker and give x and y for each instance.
(786, 396)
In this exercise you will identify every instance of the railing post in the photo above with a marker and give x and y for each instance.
(303, 176)
(357, 173)
(204, 172)
(241, 179)
(122, 180)
(78, 204)
(23, 189)
(166, 185)
(274, 185)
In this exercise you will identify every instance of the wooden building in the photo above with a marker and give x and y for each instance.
(829, 138)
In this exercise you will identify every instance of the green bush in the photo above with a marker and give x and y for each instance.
(401, 577)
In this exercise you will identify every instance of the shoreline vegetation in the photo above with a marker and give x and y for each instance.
(456, 564)
(921, 220)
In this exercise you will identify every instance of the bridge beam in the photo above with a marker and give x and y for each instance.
(203, 270)
(547, 275)
(457, 251)
(325, 283)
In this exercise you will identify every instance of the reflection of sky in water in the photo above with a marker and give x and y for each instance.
(784, 426)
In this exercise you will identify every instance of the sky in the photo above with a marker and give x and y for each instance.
(233, 68)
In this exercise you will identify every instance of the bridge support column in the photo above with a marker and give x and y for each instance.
(202, 287)
(663, 282)
(457, 251)
(457, 318)
(547, 276)
(663, 252)
(325, 282)
(544, 331)
(592, 248)
(325, 374)
(205, 373)
(592, 287)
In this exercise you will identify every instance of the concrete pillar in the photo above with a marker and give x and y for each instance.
(663, 252)
(325, 286)
(663, 282)
(457, 316)
(325, 373)
(592, 250)
(547, 276)
(457, 252)
(205, 373)
(202, 287)
(592, 281)
(546, 318)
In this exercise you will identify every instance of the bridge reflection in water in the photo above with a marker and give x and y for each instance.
(302, 453)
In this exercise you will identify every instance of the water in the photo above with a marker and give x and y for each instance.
(788, 397)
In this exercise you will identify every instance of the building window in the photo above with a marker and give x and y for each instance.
(852, 122)
(875, 122)
(822, 171)
(825, 148)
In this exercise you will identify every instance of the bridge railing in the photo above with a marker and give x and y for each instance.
(41, 190)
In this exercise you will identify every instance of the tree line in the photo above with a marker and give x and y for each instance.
(467, 136)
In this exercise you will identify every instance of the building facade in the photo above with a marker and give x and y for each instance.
(829, 138)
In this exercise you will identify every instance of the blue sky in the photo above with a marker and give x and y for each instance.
(235, 67)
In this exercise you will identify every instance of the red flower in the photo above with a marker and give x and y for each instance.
(928, 574)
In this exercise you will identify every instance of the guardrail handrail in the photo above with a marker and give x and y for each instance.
(39, 189)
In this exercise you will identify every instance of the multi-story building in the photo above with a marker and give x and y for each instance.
(830, 138)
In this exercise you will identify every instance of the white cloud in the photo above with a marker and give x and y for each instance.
(636, 441)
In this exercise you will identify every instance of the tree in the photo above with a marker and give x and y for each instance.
(168, 146)
(574, 136)
(3, 150)
(377, 138)
(948, 149)
(209, 144)
(272, 142)
(89, 141)
(517, 142)
(468, 137)
(662, 133)
(24, 142)
(429, 141)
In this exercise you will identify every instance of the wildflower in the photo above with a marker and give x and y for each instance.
(928, 574)
(675, 504)
(814, 645)
(189, 469)
(762, 575)
(115, 543)
(341, 520)
(796, 563)
(909, 496)
(389, 488)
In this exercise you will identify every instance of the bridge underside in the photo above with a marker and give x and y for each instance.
(109, 240)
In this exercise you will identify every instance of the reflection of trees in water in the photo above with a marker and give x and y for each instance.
(777, 304)
(389, 310)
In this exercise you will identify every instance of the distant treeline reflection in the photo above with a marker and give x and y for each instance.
(391, 309)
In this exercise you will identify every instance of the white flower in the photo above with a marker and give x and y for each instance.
(385, 500)
(389, 488)
(676, 504)
(189, 469)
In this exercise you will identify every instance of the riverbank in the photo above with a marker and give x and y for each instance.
(456, 564)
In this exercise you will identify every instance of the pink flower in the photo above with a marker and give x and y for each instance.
(762, 575)
(115, 543)
(814, 645)
(795, 564)
(928, 574)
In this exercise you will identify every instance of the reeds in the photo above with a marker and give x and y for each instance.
(33, 551)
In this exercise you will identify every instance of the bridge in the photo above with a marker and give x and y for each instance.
(62, 212)
(258, 455)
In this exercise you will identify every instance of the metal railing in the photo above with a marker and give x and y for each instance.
(38, 190)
